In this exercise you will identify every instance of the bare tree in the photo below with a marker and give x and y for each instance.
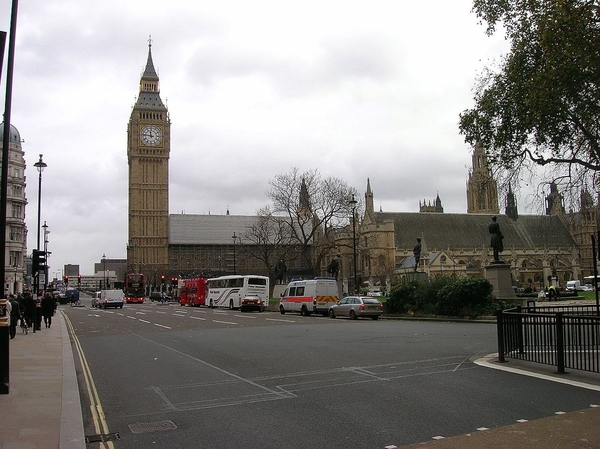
(270, 241)
(314, 208)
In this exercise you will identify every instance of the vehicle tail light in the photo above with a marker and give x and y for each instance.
(362, 307)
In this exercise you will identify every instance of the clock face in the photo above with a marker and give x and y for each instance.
(151, 135)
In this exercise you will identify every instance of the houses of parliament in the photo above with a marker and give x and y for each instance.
(555, 247)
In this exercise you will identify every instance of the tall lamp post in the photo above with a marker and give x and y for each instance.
(353, 203)
(46, 232)
(234, 237)
(40, 165)
(104, 271)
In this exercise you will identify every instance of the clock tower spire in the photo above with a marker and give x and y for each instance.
(148, 151)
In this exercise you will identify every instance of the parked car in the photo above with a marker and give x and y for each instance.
(585, 288)
(252, 302)
(357, 306)
(160, 296)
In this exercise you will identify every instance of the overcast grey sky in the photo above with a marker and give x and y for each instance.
(358, 90)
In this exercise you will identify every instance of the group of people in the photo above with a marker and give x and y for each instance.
(22, 308)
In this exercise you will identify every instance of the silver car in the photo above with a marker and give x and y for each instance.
(355, 306)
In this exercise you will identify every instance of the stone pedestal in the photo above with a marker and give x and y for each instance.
(417, 276)
(499, 276)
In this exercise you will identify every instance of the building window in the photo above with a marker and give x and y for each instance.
(16, 234)
(14, 258)
(17, 211)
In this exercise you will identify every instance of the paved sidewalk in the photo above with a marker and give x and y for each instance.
(42, 409)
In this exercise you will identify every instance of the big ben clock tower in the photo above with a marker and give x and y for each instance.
(148, 149)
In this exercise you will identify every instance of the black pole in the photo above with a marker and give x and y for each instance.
(4, 329)
(595, 257)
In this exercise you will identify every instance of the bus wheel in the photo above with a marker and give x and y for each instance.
(212, 306)
(231, 304)
(281, 310)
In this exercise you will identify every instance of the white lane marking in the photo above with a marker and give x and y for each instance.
(198, 318)
(160, 312)
(246, 316)
(223, 322)
(160, 325)
(131, 317)
(144, 321)
(93, 314)
(281, 321)
(140, 313)
(179, 311)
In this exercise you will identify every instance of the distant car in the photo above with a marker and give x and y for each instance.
(160, 296)
(252, 302)
(96, 299)
(357, 306)
(585, 288)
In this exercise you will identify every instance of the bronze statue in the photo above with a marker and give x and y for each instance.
(496, 241)
(333, 268)
(417, 253)
(280, 271)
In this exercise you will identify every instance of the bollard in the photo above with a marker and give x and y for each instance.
(4, 347)
(38, 316)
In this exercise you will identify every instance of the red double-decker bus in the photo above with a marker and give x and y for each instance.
(135, 288)
(193, 292)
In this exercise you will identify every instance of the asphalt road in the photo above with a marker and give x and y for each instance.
(168, 376)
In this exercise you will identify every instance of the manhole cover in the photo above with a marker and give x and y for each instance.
(158, 426)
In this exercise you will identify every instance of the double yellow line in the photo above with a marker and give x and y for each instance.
(98, 417)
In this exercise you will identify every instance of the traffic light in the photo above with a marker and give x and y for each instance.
(38, 263)
(162, 278)
(173, 281)
(78, 279)
(66, 280)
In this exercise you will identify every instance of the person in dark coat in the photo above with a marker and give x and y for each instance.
(27, 307)
(48, 308)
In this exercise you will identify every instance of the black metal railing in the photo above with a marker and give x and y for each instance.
(562, 336)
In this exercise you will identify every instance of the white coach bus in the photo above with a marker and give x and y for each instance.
(229, 291)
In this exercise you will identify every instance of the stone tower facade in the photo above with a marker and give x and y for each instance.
(482, 189)
(148, 151)
(16, 230)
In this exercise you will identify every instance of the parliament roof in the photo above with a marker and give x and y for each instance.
(470, 231)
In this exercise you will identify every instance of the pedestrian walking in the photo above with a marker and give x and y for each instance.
(15, 314)
(48, 307)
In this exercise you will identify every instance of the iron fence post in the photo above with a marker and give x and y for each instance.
(500, 328)
(560, 344)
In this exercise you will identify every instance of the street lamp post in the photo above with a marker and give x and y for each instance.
(15, 284)
(46, 232)
(234, 237)
(104, 271)
(40, 165)
(353, 203)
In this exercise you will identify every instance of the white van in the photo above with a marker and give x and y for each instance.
(308, 296)
(573, 285)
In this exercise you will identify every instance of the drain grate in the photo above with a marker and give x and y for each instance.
(102, 438)
(158, 426)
